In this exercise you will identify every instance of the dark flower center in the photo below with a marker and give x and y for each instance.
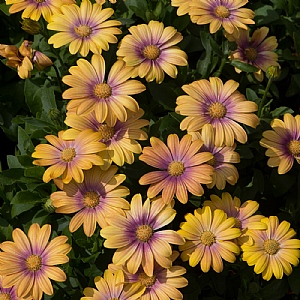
(222, 11)
(271, 246)
(217, 110)
(107, 132)
(151, 52)
(294, 147)
(68, 154)
(5, 296)
(83, 30)
(146, 280)
(144, 233)
(212, 161)
(102, 91)
(250, 53)
(91, 199)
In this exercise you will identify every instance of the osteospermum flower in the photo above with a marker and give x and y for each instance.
(90, 91)
(86, 28)
(164, 283)
(69, 158)
(34, 9)
(120, 139)
(256, 51)
(283, 143)
(273, 251)
(218, 104)
(29, 262)
(228, 14)
(222, 161)
(150, 49)
(182, 169)
(98, 196)
(138, 237)
(8, 293)
(111, 286)
(243, 214)
(208, 237)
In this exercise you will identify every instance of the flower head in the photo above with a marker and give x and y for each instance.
(150, 49)
(283, 143)
(34, 9)
(120, 139)
(138, 236)
(98, 196)
(218, 104)
(273, 251)
(256, 51)
(222, 161)
(90, 91)
(162, 285)
(69, 158)
(182, 169)
(209, 237)
(8, 293)
(29, 261)
(228, 14)
(86, 28)
(111, 286)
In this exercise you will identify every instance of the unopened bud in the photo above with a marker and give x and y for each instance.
(41, 61)
(48, 206)
(273, 72)
(31, 26)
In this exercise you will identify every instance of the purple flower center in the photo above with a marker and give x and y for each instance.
(91, 199)
(83, 30)
(222, 11)
(68, 154)
(294, 147)
(151, 52)
(271, 246)
(144, 233)
(33, 262)
(207, 238)
(146, 280)
(102, 91)
(250, 53)
(176, 168)
(217, 110)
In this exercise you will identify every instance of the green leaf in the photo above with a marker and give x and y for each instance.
(275, 290)
(280, 111)
(243, 66)
(24, 142)
(18, 209)
(11, 176)
(26, 197)
(265, 15)
(35, 172)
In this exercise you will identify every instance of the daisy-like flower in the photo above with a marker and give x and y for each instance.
(164, 283)
(209, 237)
(111, 286)
(8, 293)
(90, 91)
(85, 28)
(183, 6)
(69, 158)
(223, 158)
(273, 251)
(98, 196)
(138, 237)
(243, 215)
(151, 50)
(226, 13)
(182, 169)
(256, 51)
(218, 104)
(120, 139)
(29, 262)
(34, 9)
(283, 143)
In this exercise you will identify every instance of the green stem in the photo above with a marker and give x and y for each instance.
(58, 78)
(219, 71)
(261, 104)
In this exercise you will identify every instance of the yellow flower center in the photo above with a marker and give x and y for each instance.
(222, 11)
(33, 262)
(146, 280)
(5, 296)
(212, 161)
(271, 246)
(250, 53)
(91, 199)
(238, 223)
(102, 90)
(151, 52)
(83, 30)
(40, 1)
(217, 110)
(207, 238)
(68, 154)
(176, 168)
(107, 132)
(294, 147)
(144, 233)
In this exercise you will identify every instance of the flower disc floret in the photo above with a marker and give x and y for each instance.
(33, 262)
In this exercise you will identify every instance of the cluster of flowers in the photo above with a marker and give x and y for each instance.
(105, 127)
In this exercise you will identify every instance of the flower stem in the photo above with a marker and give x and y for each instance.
(261, 104)
(219, 71)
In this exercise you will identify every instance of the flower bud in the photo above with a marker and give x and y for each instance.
(31, 26)
(273, 72)
(40, 60)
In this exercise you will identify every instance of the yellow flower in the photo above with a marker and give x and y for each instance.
(150, 49)
(273, 251)
(183, 6)
(69, 158)
(86, 28)
(208, 237)
(283, 143)
(29, 261)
